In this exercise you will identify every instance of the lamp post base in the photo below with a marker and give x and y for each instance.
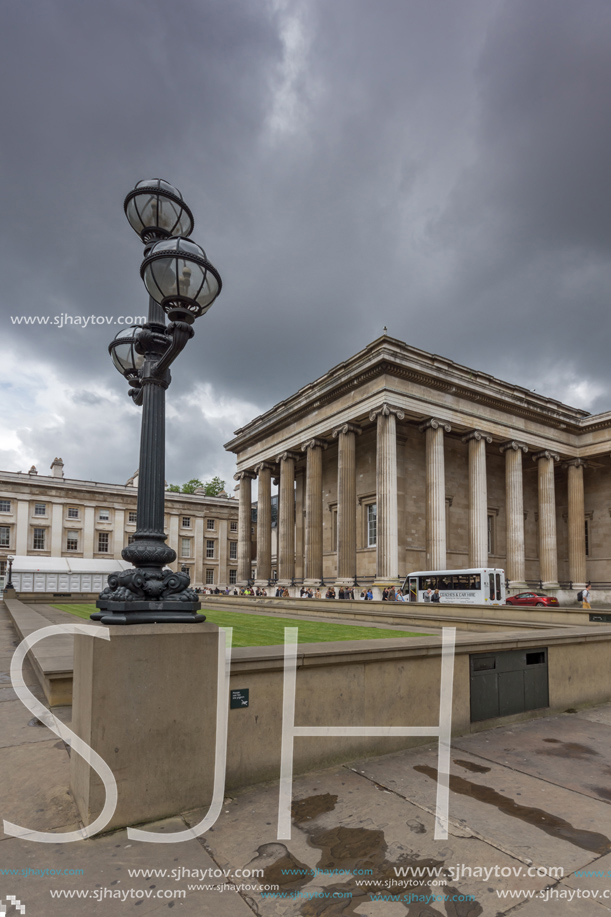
(148, 613)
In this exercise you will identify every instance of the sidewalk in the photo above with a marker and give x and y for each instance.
(536, 794)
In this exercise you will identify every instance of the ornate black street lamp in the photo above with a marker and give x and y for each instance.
(9, 583)
(182, 284)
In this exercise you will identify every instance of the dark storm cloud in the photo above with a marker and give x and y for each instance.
(438, 168)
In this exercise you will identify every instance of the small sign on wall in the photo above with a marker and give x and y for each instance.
(238, 697)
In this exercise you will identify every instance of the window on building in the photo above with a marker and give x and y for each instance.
(491, 534)
(40, 509)
(72, 541)
(3, 568)
(210, 524)
(334, 528)
(233, 577)
(38, 542)
(73, 512)
(5, 536)
(209, 549)
(233, 526)
(185, 547)
(5, 506)
(209, 577)
(186, 522)
(103, 542)
(587, 521)
(132, 516)
(372, 531)
(233, 550)
(131, 539)
(104, 515)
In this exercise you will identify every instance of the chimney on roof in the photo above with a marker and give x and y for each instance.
(33, 470)
(57, 468)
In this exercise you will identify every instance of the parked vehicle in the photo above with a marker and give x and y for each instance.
(533, 598)
(475, 586)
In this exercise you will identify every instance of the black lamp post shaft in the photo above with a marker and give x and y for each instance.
(150, 592)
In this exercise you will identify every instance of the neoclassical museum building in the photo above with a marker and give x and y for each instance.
(398, 460)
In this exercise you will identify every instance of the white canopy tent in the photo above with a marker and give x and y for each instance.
(63, 574)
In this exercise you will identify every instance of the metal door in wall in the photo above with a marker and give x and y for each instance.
(508, 682)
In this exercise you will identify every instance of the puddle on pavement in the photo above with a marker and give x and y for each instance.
(568, 750)
(471, 766)
(551, 824)
(353, 849)
(312, 806)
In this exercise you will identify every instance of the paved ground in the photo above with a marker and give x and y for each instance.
(529, 796)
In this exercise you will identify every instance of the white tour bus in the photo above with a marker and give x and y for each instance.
(458, 587)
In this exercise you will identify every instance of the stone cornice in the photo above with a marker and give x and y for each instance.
(388, 356)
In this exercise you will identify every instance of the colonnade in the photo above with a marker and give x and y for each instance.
(282, 468)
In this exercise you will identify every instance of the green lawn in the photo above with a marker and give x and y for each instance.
(264, 630)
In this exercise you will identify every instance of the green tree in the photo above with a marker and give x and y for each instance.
(210, 488)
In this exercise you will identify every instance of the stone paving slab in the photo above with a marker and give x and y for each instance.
(567, 750)
(105, 862)
(7, 693)
(344, 822)
(598, 880)
(15, 729)
(600, 714)
(556, 907)
(34, 790)
(532, 820)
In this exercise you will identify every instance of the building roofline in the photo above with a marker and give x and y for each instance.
(388, 355)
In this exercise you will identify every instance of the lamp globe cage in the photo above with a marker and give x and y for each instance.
(178, 276)
(124, 354)
(155, 210)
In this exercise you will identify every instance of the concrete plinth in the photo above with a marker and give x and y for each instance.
(146, 702)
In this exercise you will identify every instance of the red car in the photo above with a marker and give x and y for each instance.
(532, 598)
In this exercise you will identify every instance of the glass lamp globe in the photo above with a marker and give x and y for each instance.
(178, 276)
(155, 210)
(124, 354)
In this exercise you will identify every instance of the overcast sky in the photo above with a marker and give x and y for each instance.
(435, 166)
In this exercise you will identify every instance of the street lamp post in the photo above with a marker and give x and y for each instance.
(9, 583)
(182, 284)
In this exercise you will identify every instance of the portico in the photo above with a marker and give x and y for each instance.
(409, 461)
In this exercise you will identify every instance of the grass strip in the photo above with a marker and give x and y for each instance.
(263, 630)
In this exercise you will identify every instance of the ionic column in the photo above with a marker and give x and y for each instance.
(313, 507)
(548, 556)
(577, 534)
(387, 525)
(435, 494)
(478, 498)
(514, 512)
(244, 516)
(264, 523)
(286, 517)
(346, 501)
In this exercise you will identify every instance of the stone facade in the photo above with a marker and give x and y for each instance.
(457, 468)
(51, 516)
